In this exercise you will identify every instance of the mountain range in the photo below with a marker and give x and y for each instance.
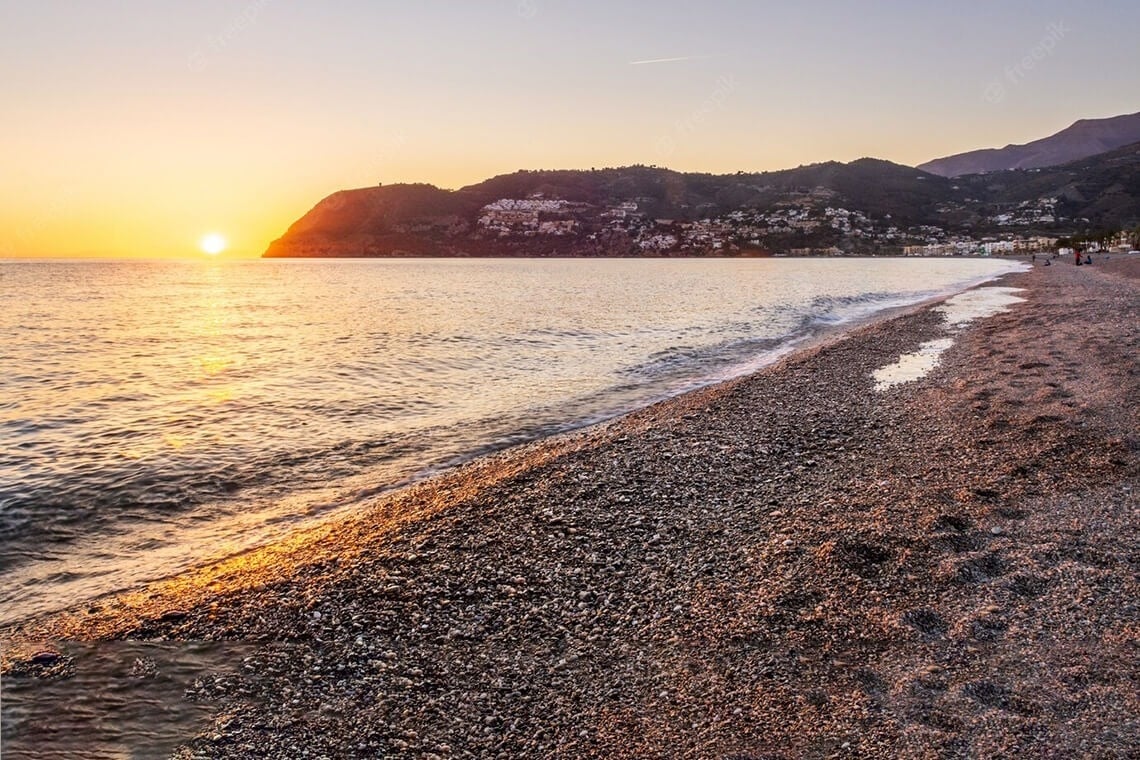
(1087, 137)
(865, 206)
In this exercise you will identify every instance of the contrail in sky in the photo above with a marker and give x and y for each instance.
(669, 60)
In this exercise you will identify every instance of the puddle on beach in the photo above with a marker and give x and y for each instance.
(911, 366)
(122, 700)
(978, 304)
(958, 311)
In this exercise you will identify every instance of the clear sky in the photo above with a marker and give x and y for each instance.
(133, 128)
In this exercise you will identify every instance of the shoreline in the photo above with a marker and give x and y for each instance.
(788, 563)
(804, 337)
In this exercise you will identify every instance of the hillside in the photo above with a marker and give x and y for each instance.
(597, 212)
(1087, 137)
(866, 206)
(1104, 189)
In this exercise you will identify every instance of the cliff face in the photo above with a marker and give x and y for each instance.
(1088, 137)
(378, 221)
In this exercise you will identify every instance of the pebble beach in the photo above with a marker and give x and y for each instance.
(793, 564)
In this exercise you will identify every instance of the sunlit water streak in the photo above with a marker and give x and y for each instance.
(157, 414)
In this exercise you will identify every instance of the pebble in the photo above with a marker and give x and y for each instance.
(45, 658)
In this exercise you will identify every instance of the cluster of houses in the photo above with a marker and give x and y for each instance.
(529, 217)
(755, 229)
(1027, 213)
(852, 223)
(1010, 246)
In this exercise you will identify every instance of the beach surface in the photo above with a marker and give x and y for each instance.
(792, 564)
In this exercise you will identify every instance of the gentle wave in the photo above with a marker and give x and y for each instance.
(156, 412)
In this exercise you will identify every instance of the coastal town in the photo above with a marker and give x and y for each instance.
(811, 225)
(866, 207)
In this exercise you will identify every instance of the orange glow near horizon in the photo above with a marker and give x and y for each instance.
(144, 228)
(131, 130)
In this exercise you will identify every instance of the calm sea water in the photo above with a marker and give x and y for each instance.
(157, 414)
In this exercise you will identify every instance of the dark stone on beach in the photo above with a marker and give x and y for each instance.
(44, 664)
(45, 658)
(173, 616)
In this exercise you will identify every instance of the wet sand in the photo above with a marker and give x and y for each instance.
(791, 564)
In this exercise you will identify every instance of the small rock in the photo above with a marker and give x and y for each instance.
(996, 530)
(45, 658)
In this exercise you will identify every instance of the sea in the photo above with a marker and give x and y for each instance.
(159, 414)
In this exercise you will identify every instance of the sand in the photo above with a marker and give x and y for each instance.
(792, 564)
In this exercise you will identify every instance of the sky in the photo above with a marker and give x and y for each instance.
(134, 128)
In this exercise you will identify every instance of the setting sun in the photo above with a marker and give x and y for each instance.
(212, 244)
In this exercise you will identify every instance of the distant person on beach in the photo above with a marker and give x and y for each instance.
(1077, 257)
(1048, 263)
(1088, 258)
(1034, 258)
